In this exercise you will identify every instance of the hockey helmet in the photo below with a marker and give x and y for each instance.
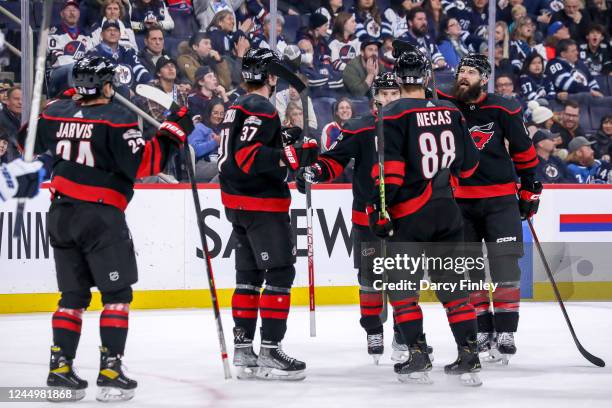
(256, 63)
(478, 61)
(412, 67)
(386, 80)
(91, 73)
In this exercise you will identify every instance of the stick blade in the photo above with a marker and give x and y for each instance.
(156, 95)
(592, 359)
(285, 73)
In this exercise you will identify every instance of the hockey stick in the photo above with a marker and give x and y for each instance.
(196, 200)
(30, 141)
(400, 46)
(380, 147)
(283, 72)
(592, 359)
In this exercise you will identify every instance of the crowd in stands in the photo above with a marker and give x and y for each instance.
(555, 56)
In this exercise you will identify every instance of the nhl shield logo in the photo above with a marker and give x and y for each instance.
(482, 134)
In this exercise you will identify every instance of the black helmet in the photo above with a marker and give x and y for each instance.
(256, 63)
(412, 68)
(91, 73)
(386, 80)
(478, 61)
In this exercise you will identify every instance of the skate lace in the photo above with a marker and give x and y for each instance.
(375, 340)
(482, 339)
(284, 356)
(505, 339)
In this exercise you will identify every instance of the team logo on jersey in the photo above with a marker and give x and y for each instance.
(347, 52)
(551, 171)
(482, 134)
(373, 29)
(123, 74)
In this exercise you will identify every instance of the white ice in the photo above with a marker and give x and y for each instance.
(174, 355)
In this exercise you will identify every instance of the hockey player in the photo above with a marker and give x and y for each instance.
(99, 151)
(424, 143)
(488, 199)
(357, 141)
(19, 179)
(253, 166)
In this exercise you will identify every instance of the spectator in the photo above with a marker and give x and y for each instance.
(556, 32)
(316, 35)
(205, 141)
(452, 42)
(394, 23)
(583, 165)
(294, 116)
(417, 35)
(518, 12)
(330, 9)
(285, 97)
(10, 121)
(114, 10)
(207, 87)
(534, 85)
(321, 75)
(472, 17)
(569, 124)
(568, 74)
(4, 142)
(599, 11)
(361, 71)
(502, 65)
(263, 40)
(234, 61)
(67, 43)
(574, 17)
(154, 47)
(541, 117)
(603, 139)
(523, 42)
(182, 13)
(595, 53)
(502, 36)
(344, 44)
(199, 52)
(550, 169)
(145, 14)
(504, 86)
(5, 85)
(221, 31)
(129, 69)
(368, 19)
(165, 70)
(435, 14)
(205, 10)
(343, 111)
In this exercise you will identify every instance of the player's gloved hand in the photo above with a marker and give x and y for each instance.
(529, 199)
(290, 135)
(300, 154)
(20, 179)
(381, 226)
(311, 174)
(177, 126)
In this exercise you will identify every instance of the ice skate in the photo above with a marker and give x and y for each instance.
(245, 359)
(467, 365)
(113, 385)
(487, 347)
(400, 351)
(62, 377)
(274, 364)
(376, 346)
(415, 369)
(506, 346)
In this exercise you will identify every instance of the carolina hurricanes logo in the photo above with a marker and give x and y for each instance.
(482, 134)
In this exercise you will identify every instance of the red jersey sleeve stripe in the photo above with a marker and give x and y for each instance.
(467, 173)
(528, 165)
(81, 120)
(150, 163)
(525, 156)
(248, 112)
(335, 168)
(392, 167)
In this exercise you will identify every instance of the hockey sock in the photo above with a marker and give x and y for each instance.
(462, 320)
(371, 306)
(245, 303)
(274, 310)
(66, 325)
(506, 300)
(481, 303)
(409, 318)
(114, 327)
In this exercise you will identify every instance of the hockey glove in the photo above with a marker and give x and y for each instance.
(290, 135)
(529, 199)
(381, 226)
(311, 174)
(300, 154)
(177, 126)
(20, 179)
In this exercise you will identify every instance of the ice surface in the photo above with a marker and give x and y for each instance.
(174, 355)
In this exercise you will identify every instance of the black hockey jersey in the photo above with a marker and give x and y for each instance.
(249, 156)
(422, 137)
(357, 141)
(99, 151)
(492, 121)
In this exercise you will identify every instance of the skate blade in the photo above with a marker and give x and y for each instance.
(246, 373)
(376, 358)
(505, 358)
(400, 356)
(114, 394)
(493, 356)
(69, 395)
(419, 377)
(470, 380)
(274, 374)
